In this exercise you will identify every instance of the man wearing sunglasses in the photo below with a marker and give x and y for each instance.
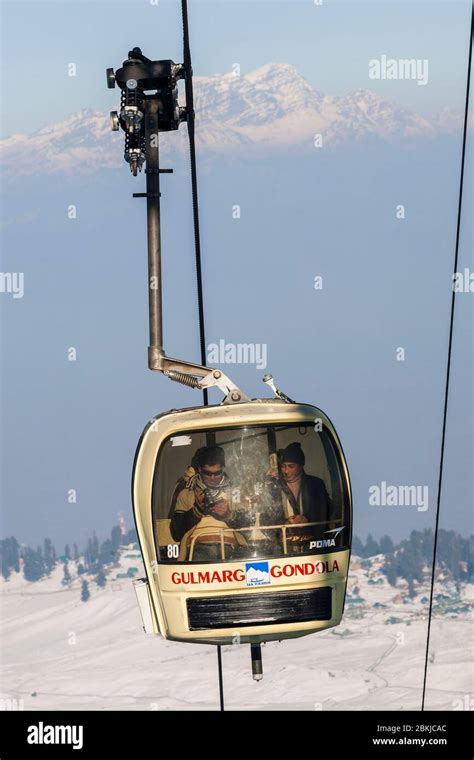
(207, 492)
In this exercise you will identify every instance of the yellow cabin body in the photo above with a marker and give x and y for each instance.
(233, 549)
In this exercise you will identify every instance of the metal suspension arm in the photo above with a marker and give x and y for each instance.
(180, 371)
(142, 117)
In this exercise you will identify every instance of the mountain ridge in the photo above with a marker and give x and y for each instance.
(270, 108)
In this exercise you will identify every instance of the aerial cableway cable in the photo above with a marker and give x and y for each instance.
(448, 366)
(188, 80)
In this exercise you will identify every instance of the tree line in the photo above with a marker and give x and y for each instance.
(406, 559)
(38, 563)
(410, 557)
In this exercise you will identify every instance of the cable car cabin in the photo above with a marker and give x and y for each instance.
(243, 514)
(243, 510)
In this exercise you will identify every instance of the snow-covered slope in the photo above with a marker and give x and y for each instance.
(61, 653)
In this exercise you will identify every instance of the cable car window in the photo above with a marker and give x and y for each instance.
(235, 493)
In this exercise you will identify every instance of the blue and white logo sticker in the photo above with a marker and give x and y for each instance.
(257, 573)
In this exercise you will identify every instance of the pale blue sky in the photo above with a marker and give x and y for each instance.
(329, 44)
(75, 425)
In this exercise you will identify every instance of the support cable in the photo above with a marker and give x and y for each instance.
(448, 367)
(197, 239)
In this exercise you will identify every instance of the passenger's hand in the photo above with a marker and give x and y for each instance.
(295, 519)
(220, 509)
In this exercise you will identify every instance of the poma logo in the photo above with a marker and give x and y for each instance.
(327, 543)
(41, 734)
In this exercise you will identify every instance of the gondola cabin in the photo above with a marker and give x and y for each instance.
(243, 510)
(243, 514)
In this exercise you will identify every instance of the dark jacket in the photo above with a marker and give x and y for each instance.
(315, 501)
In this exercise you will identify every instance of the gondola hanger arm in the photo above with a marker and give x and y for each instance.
(196, 375)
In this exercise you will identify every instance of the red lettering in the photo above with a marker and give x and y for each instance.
(276, 571)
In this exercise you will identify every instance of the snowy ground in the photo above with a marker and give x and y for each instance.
(59, 653)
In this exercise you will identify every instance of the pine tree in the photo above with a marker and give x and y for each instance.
(386, 545)
(10, 556)
(101, 579)
(131, 537)
(85, 593)
(75, 552)
(107, 555)
(391, 571)
(67, 552)
(67, 575)
(49, 555)
(91, 556)
(357, 546)
(95, 548)
(412, 566)
(41, 563)
(15, 549)
(116, 538)
(5, 558)
(371, 546)
(14, 554)
(34, 567)
(87, 554)
(469, 551)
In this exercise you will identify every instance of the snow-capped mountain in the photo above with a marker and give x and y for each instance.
(268, 109)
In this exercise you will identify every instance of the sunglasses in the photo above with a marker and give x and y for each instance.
(210, 474)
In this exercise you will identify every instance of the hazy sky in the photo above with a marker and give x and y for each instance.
(330, 45)
(387, 283)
